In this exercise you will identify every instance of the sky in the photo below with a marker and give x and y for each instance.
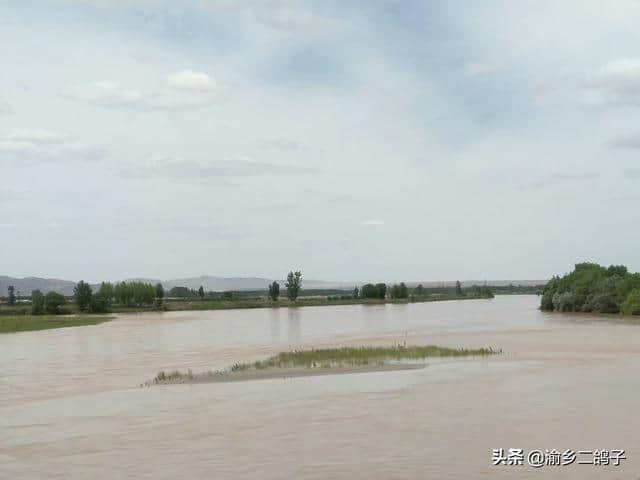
(356, 140)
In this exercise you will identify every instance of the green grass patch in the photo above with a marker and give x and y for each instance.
(334, 357)
(362, 355)
(26, 323)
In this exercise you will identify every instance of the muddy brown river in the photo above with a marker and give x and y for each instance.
(71, 405)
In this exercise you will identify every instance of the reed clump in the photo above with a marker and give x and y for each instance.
(325, 358)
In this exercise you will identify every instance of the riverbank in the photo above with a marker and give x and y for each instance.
(17, 319)
(173, 305)
(27, 323)
(328, 361)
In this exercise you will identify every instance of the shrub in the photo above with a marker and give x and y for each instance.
(631, 306)
(37, 302)
(53, 302)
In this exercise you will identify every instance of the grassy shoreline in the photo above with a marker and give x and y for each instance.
(29, 323)
(18, 319)
(322, 362)
(187, 305)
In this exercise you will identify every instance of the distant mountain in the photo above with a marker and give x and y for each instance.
(219, 284)
(24, 286)
(210, 283)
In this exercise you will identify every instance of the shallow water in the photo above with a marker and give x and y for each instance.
(71, 405)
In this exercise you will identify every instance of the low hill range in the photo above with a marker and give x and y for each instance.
(24, 286)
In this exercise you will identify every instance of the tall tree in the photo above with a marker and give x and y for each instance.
(106, 290)
(293, 284)
(356, 292)
(274, 291)
(201, 292)
(82, 293)
(53, 302)
(458, 287)
(159, 291)
(37, 302)
(159, 294)
(12, 295)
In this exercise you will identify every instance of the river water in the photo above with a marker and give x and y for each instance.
(71, 405)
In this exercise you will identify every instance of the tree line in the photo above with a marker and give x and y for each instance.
(130, 294)
(593, 288)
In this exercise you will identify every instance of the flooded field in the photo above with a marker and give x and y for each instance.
(71, 405)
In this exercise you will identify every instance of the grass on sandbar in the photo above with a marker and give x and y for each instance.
(361, 355)
(25, 323)
(336, 357)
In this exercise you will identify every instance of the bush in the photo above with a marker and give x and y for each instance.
(399, 291)
(631, 305)
(53, 303)
(82, 294)
(100, 304)
(379, 290)
(590, 288)
(37, 302)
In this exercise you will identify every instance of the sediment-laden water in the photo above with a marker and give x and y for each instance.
(71, 406)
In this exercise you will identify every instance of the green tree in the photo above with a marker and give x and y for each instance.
(356, 292)
(458, 288)
(419, 290)
(53, 302)
(180, 292)
(293, 284)
(106, 290)
(631, 305)
(82, 293)
(369, 290)
(590, 288)
(12, 295)
(399, 291)
(274, 291)
(201, 292)
(159, 294)
(135, 293)
(100, 302)
(37, 302)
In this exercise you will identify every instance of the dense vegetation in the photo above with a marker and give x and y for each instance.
(379, 290)
(593, 288)
(137, 296)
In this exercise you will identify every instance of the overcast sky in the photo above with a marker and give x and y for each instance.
(357, 140)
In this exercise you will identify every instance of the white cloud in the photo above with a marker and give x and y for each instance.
(627, 141)
(372, 223)
(108, 94)
(190, 80)
(616, 83)
(171, 167)
(285, 144)
(632, 173)
(6, 108)
(28, 147)
(477, 69)
(183, 90)
(288, 16)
